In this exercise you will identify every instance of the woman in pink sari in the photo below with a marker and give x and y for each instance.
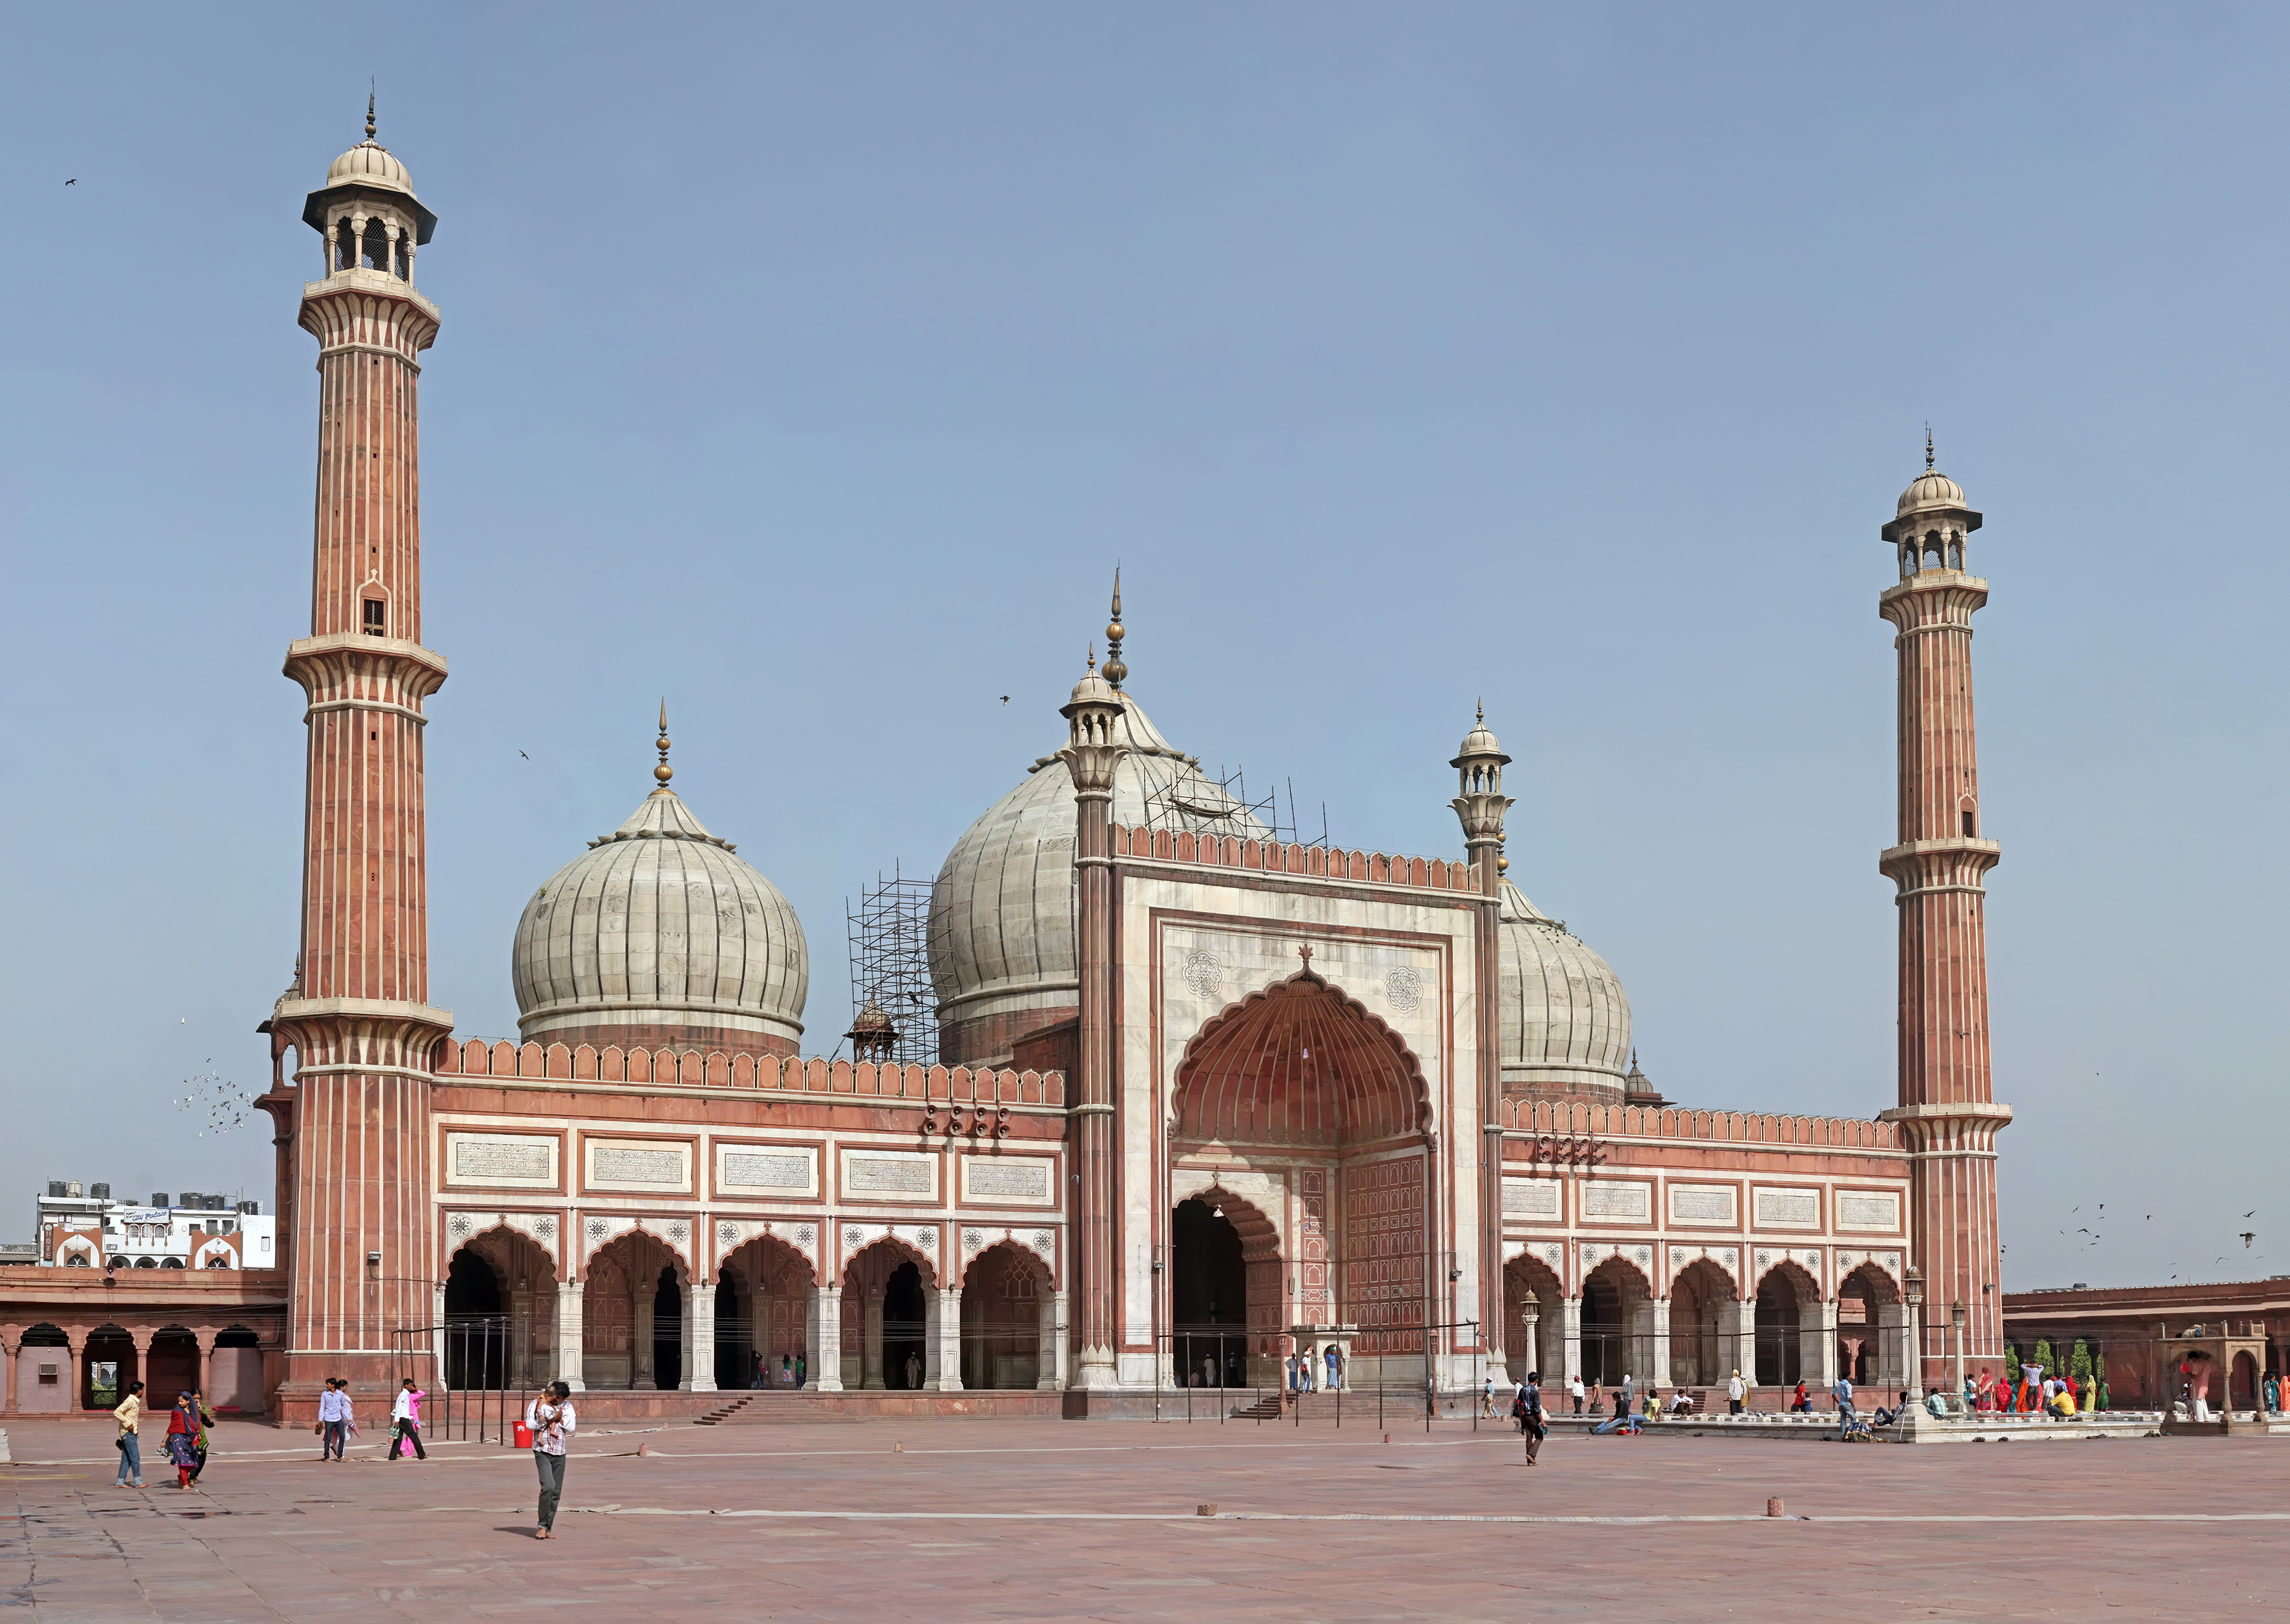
(1986, 1390)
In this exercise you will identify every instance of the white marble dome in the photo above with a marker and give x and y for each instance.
(1566, 1023)
(1003, 906)
(1930, 490)
(659, 923)
(370, 163)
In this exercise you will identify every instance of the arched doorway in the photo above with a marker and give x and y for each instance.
(632, 1314)
(1208, 1297)
(1548, 1355)
(1304, 1076)
(1004, 1295)
(475, 1326)
(887, 1341)
(1868, 1325)
(772, 1284)
(175, 1363)
(1704, 1325)
(1616, 1321)
(1784, 1297)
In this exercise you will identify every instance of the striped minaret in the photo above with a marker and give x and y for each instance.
(1947, 1113)
(355, 1121)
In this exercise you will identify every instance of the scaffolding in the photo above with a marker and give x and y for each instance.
(1221, 806)
(890, 964)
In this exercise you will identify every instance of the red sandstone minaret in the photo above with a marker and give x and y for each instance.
(1947, 1111)
(353, 1123)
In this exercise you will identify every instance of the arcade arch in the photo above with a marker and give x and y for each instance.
(1788, 1300)
(1617, 1325)
(763, 1310)
(499, 1310)
(1704, 1327)
(1299, 1077)
(1008, 1318)
(1522, 1274)
(888, 1344)
(632, 1314)
(1869, 1323)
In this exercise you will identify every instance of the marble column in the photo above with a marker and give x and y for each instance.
(1048, 1374)
(1664, 1367)
(568, 1338)
(1742, 1354)
(871, 1341)
(699, 1374)
(946, 1342)
(1570, 1333)
(1057, 1338)
(822, 1340)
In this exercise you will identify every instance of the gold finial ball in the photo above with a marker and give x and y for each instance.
(1502, 865)
(663, 772)
(1114, 632)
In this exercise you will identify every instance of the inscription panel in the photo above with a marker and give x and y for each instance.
(1701, 1204)
(1787, 1209)
(890, 1175)
(757, 1170)
(1632, 1202)
(626, 1164)
(1531, 1198)
(1868, 1209)
(1025, 1180)
(504, 1161)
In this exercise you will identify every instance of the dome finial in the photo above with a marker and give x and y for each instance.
(1114, 633)
(1092, 653)
(369, 109)
(1483, 707)
(1928, 449)
(663, 772)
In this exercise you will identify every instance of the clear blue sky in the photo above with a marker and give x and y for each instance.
(812, 366)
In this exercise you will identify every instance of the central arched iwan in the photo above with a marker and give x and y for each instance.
(1298, 1063)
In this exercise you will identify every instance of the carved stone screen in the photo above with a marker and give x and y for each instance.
(1383, 1279)
(1631, 1202)
(866, 1173)
(1868, 1209)
(1529, 1198)
(1006, 1179)
(520, 1161)
(1789, 1209)
(649, 1166)
(1701, 1204)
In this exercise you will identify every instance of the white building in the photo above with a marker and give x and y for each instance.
(87, 1228)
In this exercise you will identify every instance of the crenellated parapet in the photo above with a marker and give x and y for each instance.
(1274, 857)
(1587, 1119)
(484, 1058)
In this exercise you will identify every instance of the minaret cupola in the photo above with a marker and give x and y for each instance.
(367, 212)
(1931, 521)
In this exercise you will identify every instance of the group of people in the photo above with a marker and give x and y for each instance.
(790, 1372)
(337, 1420)
(186, 1436)
(2033, 1394)
(1303, 1371)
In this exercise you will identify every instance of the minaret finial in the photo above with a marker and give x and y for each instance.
(369, 109)
(1092, 653)
(663, 772)
(1483, 707)
(1928, 449)
(1114, 671)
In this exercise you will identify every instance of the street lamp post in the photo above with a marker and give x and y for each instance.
(1957, 1316)
(1914, 1294)
(1530, 1314)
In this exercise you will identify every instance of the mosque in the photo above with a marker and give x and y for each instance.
(1208, 1098)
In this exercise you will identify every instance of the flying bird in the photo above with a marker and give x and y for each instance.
(1006, 698)
(73, 181)
(2247, 1236)
(2252, 1213)
(527, 757)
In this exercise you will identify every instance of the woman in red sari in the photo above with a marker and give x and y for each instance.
(182, 1440)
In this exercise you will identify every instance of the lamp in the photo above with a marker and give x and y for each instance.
(1913, 1291)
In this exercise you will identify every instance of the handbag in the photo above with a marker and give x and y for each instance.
(318, 1430)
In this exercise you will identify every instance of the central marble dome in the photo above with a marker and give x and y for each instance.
(1002, 956)
(659, 933)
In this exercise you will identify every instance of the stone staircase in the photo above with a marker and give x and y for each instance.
(724, 1413)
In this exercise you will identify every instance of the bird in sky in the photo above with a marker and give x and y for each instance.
(73, 181)
(1006, 698)
(2246, 1238)
(2252, 1213)
(527, 757)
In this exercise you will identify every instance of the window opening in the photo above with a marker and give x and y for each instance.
(376, 625)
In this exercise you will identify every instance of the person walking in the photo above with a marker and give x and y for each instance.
(181, 1429)
(552, 1422)
(202, 1418)
(1491, 1396)
(331, 1427)
(1629, 1392)
(1575, 1390)
(1736, 1392)
(130, 1442)
(1842, 1394)
(1531, 1420)
(914, 1372)
(1335, 1369)
(1803, 1401)
(405, 1420)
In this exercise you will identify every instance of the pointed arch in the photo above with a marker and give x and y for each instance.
(1298, 1062)
(1007, 1316)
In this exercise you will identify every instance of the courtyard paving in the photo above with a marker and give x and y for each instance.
(965, 1518)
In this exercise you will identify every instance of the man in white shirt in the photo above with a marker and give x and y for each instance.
(1736, 1390)
(1574, 1390)
(405, 1420)
(552, 1421)
(333, 1419)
